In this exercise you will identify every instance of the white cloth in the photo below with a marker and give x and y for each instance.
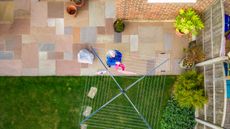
(84, 56)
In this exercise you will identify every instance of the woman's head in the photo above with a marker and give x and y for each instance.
(111, 53)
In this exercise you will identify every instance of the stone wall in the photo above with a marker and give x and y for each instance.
(140, 9)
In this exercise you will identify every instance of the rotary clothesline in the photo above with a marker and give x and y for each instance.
(122, 91)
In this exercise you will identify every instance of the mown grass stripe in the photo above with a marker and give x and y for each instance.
(157, 100)
(161, 100)
(151, 100)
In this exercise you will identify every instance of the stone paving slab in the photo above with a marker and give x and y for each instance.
(88, 35)
(133, 43)
(43, 56)
(59, 24)
(30, 56)
(68, 56)
(96, 13)
(47, 47)
(10, 68)
(51, 22)
(20, 26)
(168, 39)
(6, 55)
(22, 5)
(109, 26)
(47, 67)
(110, 9)
(68, 68)
(117, 37)
(29, 72)
(150, 34)
(55, 9)
(68, 30)
(39, 14)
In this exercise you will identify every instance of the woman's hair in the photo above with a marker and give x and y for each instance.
(110, 52)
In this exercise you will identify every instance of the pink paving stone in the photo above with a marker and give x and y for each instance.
(55, 55)
(64, 43)
(76, 34)
(1, 47)
(84, 65)
(134, 54)
(10, 67)
(4, 29)
(30, 55)
(40, 32)
(14, 43)
(20, 26)
(100, 30)
(67, 68)
(30, 72)
(39, 13)
(109, 26)
(22, 5)
(55, 9)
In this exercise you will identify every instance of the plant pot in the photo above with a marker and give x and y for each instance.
(79, 3)
(115, 29)
(71, 9)
(186, 66)
(179, 33)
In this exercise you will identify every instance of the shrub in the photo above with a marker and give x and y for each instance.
(175, 117)
(188, 22)
(194, 55)
(188, 90)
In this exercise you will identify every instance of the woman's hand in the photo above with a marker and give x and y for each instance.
(117, 63)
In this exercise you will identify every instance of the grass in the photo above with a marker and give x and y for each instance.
(55, 102)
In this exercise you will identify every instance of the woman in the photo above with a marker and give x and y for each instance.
(113, 57)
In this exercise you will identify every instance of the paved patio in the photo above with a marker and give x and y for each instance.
(40, 38)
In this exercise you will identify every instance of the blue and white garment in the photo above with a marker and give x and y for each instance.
(111, 61)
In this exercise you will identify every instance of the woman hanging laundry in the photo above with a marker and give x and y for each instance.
(114, 59)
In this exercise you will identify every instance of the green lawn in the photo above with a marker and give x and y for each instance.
(56, 102)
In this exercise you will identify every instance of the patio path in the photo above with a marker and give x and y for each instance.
(43, 39)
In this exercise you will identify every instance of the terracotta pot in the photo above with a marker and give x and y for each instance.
(71, 9)
(180, 34)
(79, 3)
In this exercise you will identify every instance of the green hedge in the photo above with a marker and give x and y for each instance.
(175, 117)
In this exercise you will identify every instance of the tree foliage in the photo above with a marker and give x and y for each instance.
(188, 90)
(188, 21)
(175, 117)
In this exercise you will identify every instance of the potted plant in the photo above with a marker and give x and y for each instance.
(71, 9)
(79, 3)
(188, 22)
(119, 26)
(193, 55)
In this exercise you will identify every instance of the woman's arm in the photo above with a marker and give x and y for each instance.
(118, 56)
